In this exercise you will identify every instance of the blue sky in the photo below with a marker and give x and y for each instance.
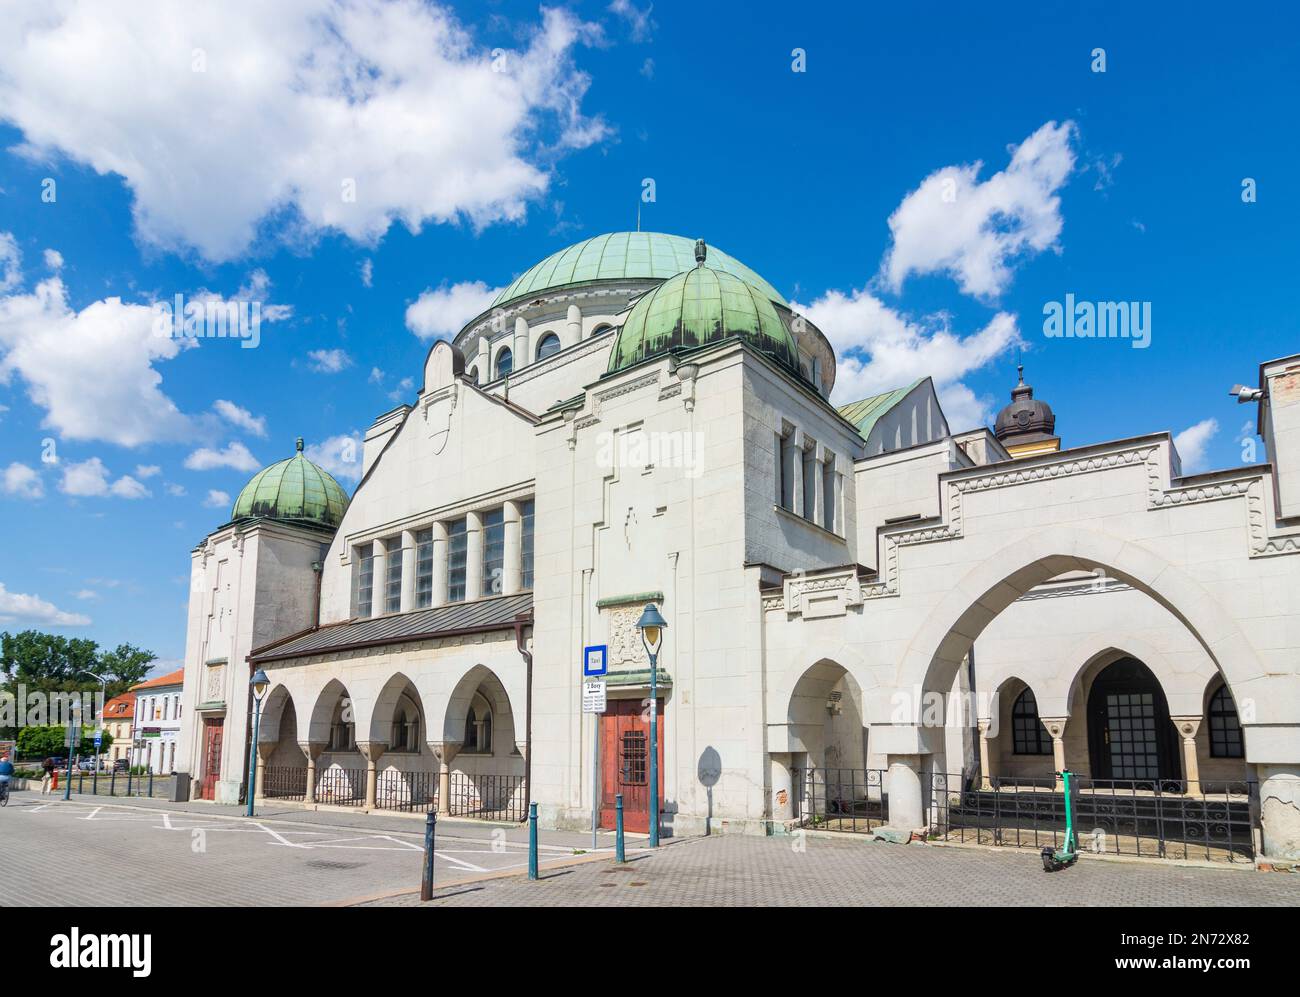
(202, 150)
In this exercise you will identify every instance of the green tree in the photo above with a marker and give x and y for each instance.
(125, 666)
(50, 741)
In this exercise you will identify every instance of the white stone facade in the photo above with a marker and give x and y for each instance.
(816, 595)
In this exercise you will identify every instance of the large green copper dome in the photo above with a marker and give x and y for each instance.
(702, 305)
(625, 255)
(293, 489)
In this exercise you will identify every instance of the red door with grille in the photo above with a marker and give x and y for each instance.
(211, 759)
(625, 762)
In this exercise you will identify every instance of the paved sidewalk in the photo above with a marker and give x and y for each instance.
(737, 871)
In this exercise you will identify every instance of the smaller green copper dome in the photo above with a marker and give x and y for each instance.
(700, 306)
(293, 489)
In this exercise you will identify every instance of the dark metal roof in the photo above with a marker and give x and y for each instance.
(455, 618)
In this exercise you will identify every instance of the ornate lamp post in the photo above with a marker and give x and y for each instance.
(652, 626)
(260, 683)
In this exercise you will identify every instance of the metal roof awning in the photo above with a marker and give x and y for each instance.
(451, 620)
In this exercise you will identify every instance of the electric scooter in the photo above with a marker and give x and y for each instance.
(1056, 859)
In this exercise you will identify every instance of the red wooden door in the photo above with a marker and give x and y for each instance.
(625, 762)
(211, 759)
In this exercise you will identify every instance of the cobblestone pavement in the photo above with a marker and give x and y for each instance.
(94, 851)
(738, 871)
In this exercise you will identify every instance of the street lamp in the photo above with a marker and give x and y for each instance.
(260, 683)
(652, 626)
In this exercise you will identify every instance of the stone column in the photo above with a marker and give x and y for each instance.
(378, 577)
(484, 362)
(986, 763)
(473, 556)
(439, 595)
(906, 812)
(817, 513)
(793, 457)
(372, 751)
(444, 751)
(520, 357)
(408, 570)
(1279, 802)
(573, 326)
(265, 749)
(512, 572)
(1056, 727)
(312, 750)
(782, 787)
(1187, 728)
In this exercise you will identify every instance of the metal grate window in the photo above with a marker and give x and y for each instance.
(424, 569)
(526, 543)
(1225, 727)
(494, 551)
(365, 579)
(457, 547)
(634, 758)
(1029, 736)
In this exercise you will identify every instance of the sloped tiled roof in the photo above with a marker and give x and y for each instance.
(171, 678)
(120, 707)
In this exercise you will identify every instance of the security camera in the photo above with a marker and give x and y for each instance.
(1245, 394)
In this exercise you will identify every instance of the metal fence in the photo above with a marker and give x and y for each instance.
(412, 792)
(488, 797)
(341, 787)
(284, 782)
(144, 785)
(1217, 823)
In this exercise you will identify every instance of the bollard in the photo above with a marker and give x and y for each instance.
(532, 841)
(619, 856)
(426, 882)
(151, 783)
(112, 783)
(94, 781)
(128, 780)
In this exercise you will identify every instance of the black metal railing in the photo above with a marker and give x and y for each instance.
(341, 787)
(488, 797)
(1154, 818)
(412, 792)
(147, 784)
(840, 799)
(284, 782)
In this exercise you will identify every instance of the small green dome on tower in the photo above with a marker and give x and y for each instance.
(700, 306)
(294, 490)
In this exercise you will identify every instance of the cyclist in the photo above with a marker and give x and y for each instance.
(6, 773)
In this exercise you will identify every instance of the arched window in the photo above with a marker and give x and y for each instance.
(603, 327)
(478, 728)
(1029, 736)
(1225, 728)
(549, 345)
(505, 361)
(405, 735)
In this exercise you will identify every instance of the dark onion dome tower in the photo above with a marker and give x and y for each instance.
(1027, 426)
(293, 490)
(700, 306)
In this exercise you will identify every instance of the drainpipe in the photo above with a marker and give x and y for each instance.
(248, 725)
(520, 623)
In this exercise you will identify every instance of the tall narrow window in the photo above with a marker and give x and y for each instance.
(549, 345)
(809, 487)
(505, 361)
(1225, 727)
(828, 493)
(424, 569)
(1029, 736)
(365, 579)
(393, 575)
(457, 545)
(526, 543)
(780, 470)
(494, 551)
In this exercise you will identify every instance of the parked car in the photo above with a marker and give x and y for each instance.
(119, 765)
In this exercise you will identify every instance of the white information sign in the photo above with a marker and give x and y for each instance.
(593, 696)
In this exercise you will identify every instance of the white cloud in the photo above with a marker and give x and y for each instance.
(23, 481)
(216, 499)
(11, 260)
(362, 113)
(16, 607)
(54, 259)
(175, 490)
(258, 288)
(880, 349)
(235, 456)
(339, 455)
(1193, 442)
(147, 470)
(444, 312)
(90, 479)
(87, 594)
(240, 417)
(367, 272)
(329, 361)
(955, 224)
(640, 24)
(376, 376)
(93, 370)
